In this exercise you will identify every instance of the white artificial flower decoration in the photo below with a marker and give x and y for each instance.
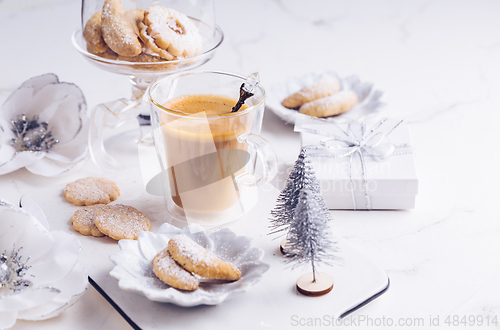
(44, 127)
(39, 271)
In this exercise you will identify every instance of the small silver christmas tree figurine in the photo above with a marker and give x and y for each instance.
(301, 177)
(309, 242)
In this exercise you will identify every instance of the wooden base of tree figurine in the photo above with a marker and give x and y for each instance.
(309, 287)
(308, 241)
(284, 245)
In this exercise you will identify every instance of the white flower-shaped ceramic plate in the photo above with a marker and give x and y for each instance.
(62, 106)
(58, 280)
(134, 267)
(368, 98)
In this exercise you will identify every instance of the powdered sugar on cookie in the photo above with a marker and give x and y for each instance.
(167, 270)
(171, 31)
(90, 191)
(93, 34)
(83, 221)
(335, 104)
(327, 85)
(196, 259)
(119, 34)
(121, 222)
(193, 251)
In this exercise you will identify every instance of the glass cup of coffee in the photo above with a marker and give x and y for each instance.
(211, 159)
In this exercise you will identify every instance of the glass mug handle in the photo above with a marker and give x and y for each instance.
(114, 119)
(265, 155)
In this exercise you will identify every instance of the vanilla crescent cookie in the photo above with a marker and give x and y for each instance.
(108, 54)
(167, 270)
(335, 104)
(326, 86)
(169, 33)
(83, 220)
(92, 33)
(134, 17)
(121, 221)
(196, 259)
(90, 191)
(119, 33)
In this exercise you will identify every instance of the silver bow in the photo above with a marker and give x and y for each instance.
(351, 140)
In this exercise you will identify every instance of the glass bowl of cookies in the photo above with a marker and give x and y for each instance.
(156, 39)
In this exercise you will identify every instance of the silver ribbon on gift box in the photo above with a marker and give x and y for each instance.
(351, 140)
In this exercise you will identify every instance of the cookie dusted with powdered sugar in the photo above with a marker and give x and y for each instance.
(326, 86)
(335, 104)
(120, 31)
(90, 191)
(194, 258)
(169, 33)
(93, 34)
(167, 270)
(83, 220)
(121, 221)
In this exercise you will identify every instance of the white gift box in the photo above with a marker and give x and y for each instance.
(390, 183)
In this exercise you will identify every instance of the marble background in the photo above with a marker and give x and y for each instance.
(438, 65)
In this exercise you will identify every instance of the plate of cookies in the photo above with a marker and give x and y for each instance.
(326, 96)
(188, 267)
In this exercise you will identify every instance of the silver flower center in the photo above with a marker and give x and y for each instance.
(4, 273)
(12, 271)
(31, 135)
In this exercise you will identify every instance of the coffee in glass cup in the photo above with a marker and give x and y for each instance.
(209, 155)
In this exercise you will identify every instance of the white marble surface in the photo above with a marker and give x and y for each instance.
(437, 62)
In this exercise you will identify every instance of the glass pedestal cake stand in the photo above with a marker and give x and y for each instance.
(116, 123)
